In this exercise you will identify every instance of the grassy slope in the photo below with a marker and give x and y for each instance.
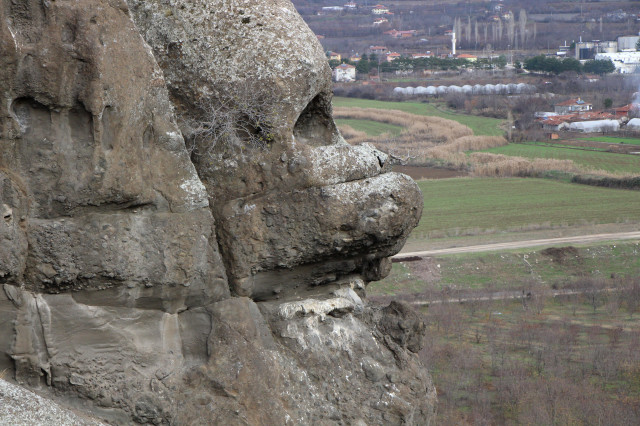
(608, 161)
(371, 128)
(508, 270)
(510, 203)
(479, 125)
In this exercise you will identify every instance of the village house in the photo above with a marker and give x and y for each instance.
(623, 111)
(351, 5)
(378, 50)
(333, 9)
(355, 58)
(380, 10)
(344, 73)
(467, 57)
(400, 34)
(392, 56)
(572, 106)
(380, 21)
(421, 55)
(333, 56)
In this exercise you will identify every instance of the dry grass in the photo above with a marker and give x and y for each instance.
(432, 129)
(498, 165)
(353, 135)
(486, 164)
(422, 136)
(3, 374)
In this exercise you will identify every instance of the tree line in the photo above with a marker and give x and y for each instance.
(552, 64)
(371, 62)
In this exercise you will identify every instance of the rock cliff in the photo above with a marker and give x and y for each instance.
(185, 236)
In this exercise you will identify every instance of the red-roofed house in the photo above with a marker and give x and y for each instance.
(623, 111)
(468, 57)
(558, 122)
(400, 34)
(572, 105)
(393, 56)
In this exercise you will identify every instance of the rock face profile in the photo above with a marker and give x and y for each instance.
(185, 236)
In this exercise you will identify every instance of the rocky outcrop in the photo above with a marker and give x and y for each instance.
(288, 197)
(215, 281)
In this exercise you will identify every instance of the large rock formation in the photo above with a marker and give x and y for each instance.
(221, 287)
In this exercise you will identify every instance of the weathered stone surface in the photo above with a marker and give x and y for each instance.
(13, 238)
(112, 289)
(94, 175)
(19, 406)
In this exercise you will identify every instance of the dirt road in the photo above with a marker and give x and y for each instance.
(580, 239)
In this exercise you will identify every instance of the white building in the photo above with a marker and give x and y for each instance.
(628, 43)
(625, 62)
(344, 73)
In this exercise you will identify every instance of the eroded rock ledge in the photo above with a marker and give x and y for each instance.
(210, 280)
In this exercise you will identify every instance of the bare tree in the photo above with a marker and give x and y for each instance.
(511, 29)
(522, 23)
(241, 118)
(476, 34)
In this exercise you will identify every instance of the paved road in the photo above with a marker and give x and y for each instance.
(520, 244)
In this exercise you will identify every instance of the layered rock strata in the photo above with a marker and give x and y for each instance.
(218, 281)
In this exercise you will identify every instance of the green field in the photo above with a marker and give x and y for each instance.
(371, 128)
(453, 206)
(501, 270)
(607, 161)
(609, 139)
(479, 125)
